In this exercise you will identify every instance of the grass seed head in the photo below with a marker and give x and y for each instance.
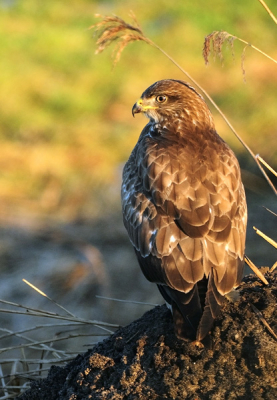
(114, 29)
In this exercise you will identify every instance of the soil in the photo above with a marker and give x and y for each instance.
(144, 360)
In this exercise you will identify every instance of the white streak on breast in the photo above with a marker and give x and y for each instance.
(172, 239)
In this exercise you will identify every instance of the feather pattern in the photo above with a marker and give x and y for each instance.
(184, 205)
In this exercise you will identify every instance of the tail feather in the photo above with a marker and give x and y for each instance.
(186, 310)
(211, 310)
(194, 312)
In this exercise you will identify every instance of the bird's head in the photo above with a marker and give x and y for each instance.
(170, 100)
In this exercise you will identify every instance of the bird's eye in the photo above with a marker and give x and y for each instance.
(161, 98)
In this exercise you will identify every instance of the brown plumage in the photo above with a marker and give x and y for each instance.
(184, 206)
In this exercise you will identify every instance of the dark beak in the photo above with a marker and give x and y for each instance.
(136, 109)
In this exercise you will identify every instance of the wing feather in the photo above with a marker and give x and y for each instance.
(184, 201)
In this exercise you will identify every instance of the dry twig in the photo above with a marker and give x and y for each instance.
(265, 237)
(262, 319)
(255, 270)
(259, 158)
(14, 379)
(48, 298)
(274, 266)
(272, 212)
(268, 10)
(127, 301)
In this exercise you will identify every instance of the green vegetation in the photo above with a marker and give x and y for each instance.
(65, 115)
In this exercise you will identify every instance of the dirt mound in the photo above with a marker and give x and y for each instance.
(145, 360)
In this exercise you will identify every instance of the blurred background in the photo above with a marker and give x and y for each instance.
(66, 130)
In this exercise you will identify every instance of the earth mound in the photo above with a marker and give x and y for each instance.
(144, 360)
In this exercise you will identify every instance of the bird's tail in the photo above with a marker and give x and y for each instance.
(194, 312)
(186, 310)
(213, 302)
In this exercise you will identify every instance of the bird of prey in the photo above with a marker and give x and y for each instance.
(184, 206)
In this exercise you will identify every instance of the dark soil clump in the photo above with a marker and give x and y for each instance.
(145, 360)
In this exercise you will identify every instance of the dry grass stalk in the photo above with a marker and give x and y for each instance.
(258, 157)
(15, 381)
(3, 383)
(99, 324)
(262, 319)
(265, 237)
(48, 314)
(265, 175)
(18, 378)
(272, 212)
(255, 270)
(52, 340)
(43, 346)
(34, 373)
(39, 361)
(49, 298)
(127, 301)
(27, 308)
(274, 266)
(36, 327)
(268, 10)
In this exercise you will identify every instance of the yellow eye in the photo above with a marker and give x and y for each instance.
(161, 99)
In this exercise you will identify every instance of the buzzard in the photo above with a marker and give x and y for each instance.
(184, 206)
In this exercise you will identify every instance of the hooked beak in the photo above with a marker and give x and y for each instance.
(137, 107)
(143, 105)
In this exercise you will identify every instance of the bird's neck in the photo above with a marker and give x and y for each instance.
(201, 125)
